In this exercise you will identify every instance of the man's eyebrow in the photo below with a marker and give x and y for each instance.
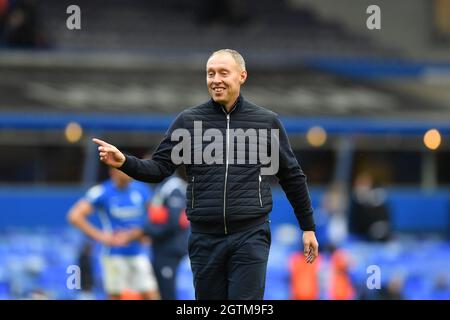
(219, 69)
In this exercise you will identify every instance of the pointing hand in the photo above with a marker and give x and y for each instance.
(109, 154)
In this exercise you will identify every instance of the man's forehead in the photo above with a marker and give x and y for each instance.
(222, 59)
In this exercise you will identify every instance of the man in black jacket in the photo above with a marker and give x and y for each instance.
(228, 198)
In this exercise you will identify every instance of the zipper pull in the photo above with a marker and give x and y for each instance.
(192, 192)
(259, 190)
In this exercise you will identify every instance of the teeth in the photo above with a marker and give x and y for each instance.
(218, 89)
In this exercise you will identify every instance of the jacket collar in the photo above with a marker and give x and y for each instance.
(237, 105)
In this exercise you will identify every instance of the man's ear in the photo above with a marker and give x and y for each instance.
(243, 77)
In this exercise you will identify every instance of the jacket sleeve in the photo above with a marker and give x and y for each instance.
(160, 166)
(293, 180)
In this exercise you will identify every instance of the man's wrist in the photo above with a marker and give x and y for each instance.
(311, 228)
(122, 166)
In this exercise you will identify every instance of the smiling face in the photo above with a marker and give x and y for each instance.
(224, 77)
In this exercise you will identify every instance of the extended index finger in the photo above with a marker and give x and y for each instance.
(101, 142)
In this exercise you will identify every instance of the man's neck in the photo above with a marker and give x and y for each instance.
(229, 106)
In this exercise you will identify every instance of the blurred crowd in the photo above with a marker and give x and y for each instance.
(362, 216)
(20, 25)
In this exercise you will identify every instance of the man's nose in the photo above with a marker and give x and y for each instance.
(217, 79)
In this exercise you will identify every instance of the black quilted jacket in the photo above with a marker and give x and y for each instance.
(227, 196)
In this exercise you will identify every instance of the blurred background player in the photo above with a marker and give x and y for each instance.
(85, 262)
(168, 229)
(368, 213)
(121, 203)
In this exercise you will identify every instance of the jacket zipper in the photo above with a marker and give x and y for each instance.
(192, 191)
(259, 190)
(226, 167)
(226, 173)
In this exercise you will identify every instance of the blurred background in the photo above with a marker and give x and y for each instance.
(367, 112)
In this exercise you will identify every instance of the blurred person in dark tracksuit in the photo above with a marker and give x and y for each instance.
(85, 261)
(168, 228)
(369, 214)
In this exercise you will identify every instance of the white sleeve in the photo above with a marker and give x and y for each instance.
(94, 194)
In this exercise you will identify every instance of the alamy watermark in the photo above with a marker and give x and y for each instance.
(373, 22)
(374, 280)
(214, 152)
(73, 22)
(73, 281)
